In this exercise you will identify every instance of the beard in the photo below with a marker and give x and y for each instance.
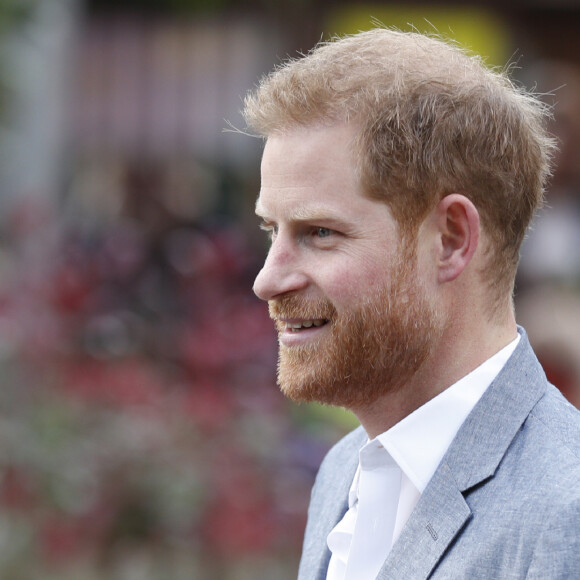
(367, 352)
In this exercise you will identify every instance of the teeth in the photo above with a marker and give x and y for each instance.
(296, 326)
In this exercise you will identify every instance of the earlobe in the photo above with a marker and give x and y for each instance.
(458, 223)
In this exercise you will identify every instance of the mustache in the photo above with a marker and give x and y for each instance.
(297, 307)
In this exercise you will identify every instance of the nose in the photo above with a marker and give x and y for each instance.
(281, 273)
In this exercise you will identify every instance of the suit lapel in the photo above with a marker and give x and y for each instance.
(437, 519)
(328, 507)
(331, 514)
(473, 457)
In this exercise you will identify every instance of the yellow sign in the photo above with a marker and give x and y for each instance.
(476, 29)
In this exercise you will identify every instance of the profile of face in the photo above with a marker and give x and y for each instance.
(354, 319)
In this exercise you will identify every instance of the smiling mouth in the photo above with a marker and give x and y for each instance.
(305, 324)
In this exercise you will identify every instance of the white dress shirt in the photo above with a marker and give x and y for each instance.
(395, 468)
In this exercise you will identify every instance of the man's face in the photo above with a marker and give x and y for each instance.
(353, 318)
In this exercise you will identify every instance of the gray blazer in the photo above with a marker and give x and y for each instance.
(504, 502)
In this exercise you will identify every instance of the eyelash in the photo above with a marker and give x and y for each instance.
(270, 229)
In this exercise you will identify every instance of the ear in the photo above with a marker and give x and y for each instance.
(458, 228)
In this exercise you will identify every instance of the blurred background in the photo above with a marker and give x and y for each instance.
(141, 432)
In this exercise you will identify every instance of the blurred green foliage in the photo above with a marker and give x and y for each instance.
(13, 12)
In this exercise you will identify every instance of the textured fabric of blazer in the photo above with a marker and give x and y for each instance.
(504, 502)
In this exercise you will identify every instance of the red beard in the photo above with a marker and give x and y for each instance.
(369, 351)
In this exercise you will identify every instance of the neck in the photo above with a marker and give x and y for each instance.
(459, 351)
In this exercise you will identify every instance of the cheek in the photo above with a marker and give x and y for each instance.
(348, 284)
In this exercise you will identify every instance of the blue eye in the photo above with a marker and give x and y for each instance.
(323, 232)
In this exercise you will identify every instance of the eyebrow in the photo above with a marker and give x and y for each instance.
(306, 214)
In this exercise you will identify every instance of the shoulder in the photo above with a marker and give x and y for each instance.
(540, 471)
(556, 551)
(336, 472)
(558, 420)
(525, 515)
(350, 443)
(548, 445)
(552, 431)
(329, 500)
(344, 454)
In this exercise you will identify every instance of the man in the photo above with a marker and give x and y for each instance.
(398, 178)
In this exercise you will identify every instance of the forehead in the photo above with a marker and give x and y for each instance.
(307, 166)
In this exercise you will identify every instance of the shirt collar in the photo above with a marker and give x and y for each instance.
(419, 441)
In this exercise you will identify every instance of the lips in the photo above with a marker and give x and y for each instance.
(298, 320)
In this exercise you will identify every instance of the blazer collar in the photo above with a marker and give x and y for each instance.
(473, 456)
(487, 432)
(316, 555)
